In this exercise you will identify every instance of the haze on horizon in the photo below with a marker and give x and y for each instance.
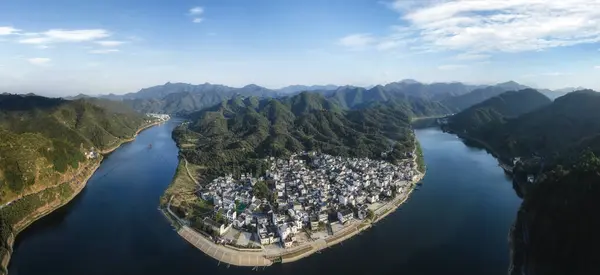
(66, 47)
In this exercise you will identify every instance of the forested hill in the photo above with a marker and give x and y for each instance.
(558, 226)
(43, 142)
(232, 134)
(559, 130)
(464, 101)
(558, 223)
(477, 120)
(40, 138)
(443, 98)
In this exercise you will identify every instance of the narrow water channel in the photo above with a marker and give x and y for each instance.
(457, 222)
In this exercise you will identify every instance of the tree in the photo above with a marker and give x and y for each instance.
(219, 217)
(370, 214)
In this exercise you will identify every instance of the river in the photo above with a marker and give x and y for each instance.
(457, 222)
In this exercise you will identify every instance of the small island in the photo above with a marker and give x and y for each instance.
(255, 205)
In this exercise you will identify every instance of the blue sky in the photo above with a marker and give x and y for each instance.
(65, 47)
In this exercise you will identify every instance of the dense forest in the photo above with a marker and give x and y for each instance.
(43, 137)
(233, 134)
(557, 227)
(557, 224)
(555, 132)
(42, 145)
(483, 120)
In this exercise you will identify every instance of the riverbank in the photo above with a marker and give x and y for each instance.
(480, 143)
(121, 142)
(75, 186)
(266, 257)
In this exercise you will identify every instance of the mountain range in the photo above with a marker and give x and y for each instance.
(183, 98)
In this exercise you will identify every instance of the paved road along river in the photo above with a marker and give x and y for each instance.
(457, 222)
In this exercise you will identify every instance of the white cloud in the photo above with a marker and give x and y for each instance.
(8, 30)
(59, 35)
(109, 43)
(104, 51)
(482, 27)
(196, 10)
(449, 67)
(502, 25)
(597, 67)
(471, 56)
(357, 41)
(548, 74)
(43, 47)
(40, 61)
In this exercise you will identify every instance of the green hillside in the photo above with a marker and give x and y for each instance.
(481, 119)
(556, 131)
(43, 142)
(229, 136)
(557, 226)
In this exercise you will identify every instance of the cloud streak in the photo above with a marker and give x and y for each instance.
(109, 43)
(489, 26)
(357, 40)
(8, 30)
(196, 12)
(39, 61)
(505, 25)
(449, 67)
(62, 36)
(104, 51)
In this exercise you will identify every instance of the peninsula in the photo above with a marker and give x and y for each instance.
(261, 182)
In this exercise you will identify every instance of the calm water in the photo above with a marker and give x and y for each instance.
(456, 223)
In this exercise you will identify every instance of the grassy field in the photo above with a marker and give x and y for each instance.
(182, 186)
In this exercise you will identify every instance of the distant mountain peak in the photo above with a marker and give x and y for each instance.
(252, 86)
(409, 81)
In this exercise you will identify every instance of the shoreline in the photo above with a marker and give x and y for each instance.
(36, 216)
(236, 257)
(513, 238)
(107, 151)
(484, 145)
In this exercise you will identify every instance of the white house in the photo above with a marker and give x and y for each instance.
(217, 227)
(345, 215)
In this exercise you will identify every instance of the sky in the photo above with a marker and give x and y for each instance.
(67, 47)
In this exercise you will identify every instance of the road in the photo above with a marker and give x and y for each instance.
(222, 253)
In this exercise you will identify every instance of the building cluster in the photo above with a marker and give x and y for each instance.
(91, 154)
(161, 117)
(309, 190)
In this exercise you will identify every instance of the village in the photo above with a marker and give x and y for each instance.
(308, 196)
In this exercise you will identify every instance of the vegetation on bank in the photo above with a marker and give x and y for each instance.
(558, 144)
(420, 158)
(557, 226)
(483, 121)
(43, 142)
(556, 132)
